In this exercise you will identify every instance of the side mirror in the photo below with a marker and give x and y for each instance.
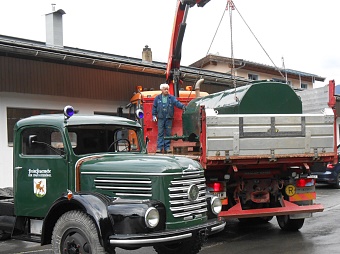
(31, 140)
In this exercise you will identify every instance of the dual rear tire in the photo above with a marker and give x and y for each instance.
(288, 224)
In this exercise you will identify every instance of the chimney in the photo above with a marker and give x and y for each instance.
(54, 27)
(147, 54)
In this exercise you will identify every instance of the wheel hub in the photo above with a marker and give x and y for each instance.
(76, 244)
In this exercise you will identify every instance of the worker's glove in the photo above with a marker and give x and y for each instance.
(154, 118)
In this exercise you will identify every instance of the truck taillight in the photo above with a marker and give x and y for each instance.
(305, 182)
(215, 186)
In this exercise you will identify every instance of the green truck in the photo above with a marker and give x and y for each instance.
(86, 184)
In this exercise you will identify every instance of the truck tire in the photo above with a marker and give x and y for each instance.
(6, 192)
(9, 191)
(288, 224)
(257, 220)
(4, 235)
(75, 232)
(193, 246)
(337, 182)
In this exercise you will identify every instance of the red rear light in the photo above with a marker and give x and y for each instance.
(305, 182)
(216, 186)
(330, 166)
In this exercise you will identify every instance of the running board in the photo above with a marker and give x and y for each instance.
(288, 209)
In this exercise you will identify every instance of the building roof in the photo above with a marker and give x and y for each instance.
(249, 65)
(62, 54)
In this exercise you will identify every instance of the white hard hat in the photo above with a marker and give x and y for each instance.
(163, 86)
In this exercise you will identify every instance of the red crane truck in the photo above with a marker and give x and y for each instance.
(253, 141)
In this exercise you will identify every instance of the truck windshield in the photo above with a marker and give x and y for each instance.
(87, 139)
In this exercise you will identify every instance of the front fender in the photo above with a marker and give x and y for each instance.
(112, 216)
(94, 204)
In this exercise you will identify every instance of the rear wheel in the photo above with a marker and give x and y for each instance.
(257, 220)
(4, 235)
(75, 232)
(289, 224)
(6, 192)
(337, 181)
(192, 246)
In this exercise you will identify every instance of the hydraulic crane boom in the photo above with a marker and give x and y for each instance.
(172, 70)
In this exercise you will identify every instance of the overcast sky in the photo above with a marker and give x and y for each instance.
(303, 32)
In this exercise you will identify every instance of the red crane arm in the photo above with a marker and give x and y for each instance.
(174, 59)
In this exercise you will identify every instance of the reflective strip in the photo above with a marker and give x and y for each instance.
(151, 240)
(303, 196)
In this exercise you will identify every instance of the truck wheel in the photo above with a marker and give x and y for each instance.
(288, 224)
(6, 192)
(4, 235)
(266, 218)
(192, 246)
(75, 232)
(257, 220)
(337, 181)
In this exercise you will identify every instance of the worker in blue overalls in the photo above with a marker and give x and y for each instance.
(163, 113)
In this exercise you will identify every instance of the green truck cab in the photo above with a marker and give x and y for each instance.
(87, 185)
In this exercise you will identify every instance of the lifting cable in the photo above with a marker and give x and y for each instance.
(258, 41)
(212, 41)
(232, 7)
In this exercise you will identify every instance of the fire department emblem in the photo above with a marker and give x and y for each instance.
(39, 187)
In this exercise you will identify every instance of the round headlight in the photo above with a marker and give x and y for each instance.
(216, 205)
(193, 192)
(151, 217)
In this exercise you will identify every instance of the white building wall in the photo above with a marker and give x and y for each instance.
(17, 100)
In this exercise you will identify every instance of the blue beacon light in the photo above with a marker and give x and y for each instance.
(68, 111)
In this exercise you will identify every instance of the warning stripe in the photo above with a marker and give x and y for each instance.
(303, 196)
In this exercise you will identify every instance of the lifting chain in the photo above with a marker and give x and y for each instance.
(230, 6)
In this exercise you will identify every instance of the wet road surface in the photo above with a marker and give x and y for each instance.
(319, 234)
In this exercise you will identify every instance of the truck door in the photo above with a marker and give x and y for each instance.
(40, 170)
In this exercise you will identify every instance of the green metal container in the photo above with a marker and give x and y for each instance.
(259, 97)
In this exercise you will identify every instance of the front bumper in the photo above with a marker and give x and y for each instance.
(140, 240)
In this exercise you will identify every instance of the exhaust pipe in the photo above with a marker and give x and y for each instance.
(197, 87)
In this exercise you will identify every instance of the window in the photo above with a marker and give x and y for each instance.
(282, 81)
(89, 139)
(42, 141)
(253, 76)
(304, 86)
(15, 114)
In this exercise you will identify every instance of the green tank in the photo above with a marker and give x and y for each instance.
(259, 97)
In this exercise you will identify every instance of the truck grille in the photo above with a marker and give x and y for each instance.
(140, 187)
(180, 205)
